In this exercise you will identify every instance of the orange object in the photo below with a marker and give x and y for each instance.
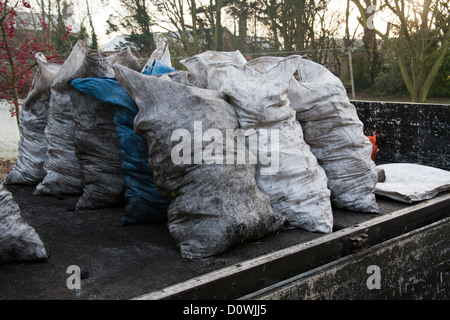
(375, 149)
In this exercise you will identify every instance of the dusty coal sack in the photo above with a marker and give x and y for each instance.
(335, 134)
(212, 206)
(144, 201)
(97, 152)
(18, 240)
(333, 131)
(186, 78)
(63, 173)
(95, 137)
(29, 168)
(298, 185)
(198, 65)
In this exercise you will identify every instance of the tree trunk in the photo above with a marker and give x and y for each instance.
(370, 44)
(417, 44)
(242, 26)
(217, 38)
(194, 24)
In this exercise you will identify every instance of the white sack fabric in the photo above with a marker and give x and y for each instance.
(213, 205)
(408, 182)
(18, 240)
(33, 119)
(298, 188)
(332, 129)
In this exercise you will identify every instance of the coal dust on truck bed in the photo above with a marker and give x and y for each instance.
(125, 262)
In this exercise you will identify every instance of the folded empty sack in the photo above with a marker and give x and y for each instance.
(408, 182)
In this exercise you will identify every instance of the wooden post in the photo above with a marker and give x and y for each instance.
(350, 62)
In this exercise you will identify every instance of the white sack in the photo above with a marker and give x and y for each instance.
(33, 118)
(161, 53)
(198, 64)
(18, 240)
(332, 129)
(212, 206)
(298, 189)
(408, 182)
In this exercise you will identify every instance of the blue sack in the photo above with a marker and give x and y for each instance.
(144, 201)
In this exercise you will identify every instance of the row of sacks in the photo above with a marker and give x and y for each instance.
(71, 143)
(161, 137)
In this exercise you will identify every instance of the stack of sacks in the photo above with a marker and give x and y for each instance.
(213, 205)
(298, 185)
(83, 154)
(144, 201)
(33, 118)
(334, 132)
(300, 144)
(18, 240)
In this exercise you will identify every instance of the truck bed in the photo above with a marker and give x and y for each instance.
(142, 261)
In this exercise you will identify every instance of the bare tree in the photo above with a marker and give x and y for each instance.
(422, 40)
(349, 39)
(299, 25)
(53, 15)
(94, 43)
(241, 10)
(172, 13)
(135, 18)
